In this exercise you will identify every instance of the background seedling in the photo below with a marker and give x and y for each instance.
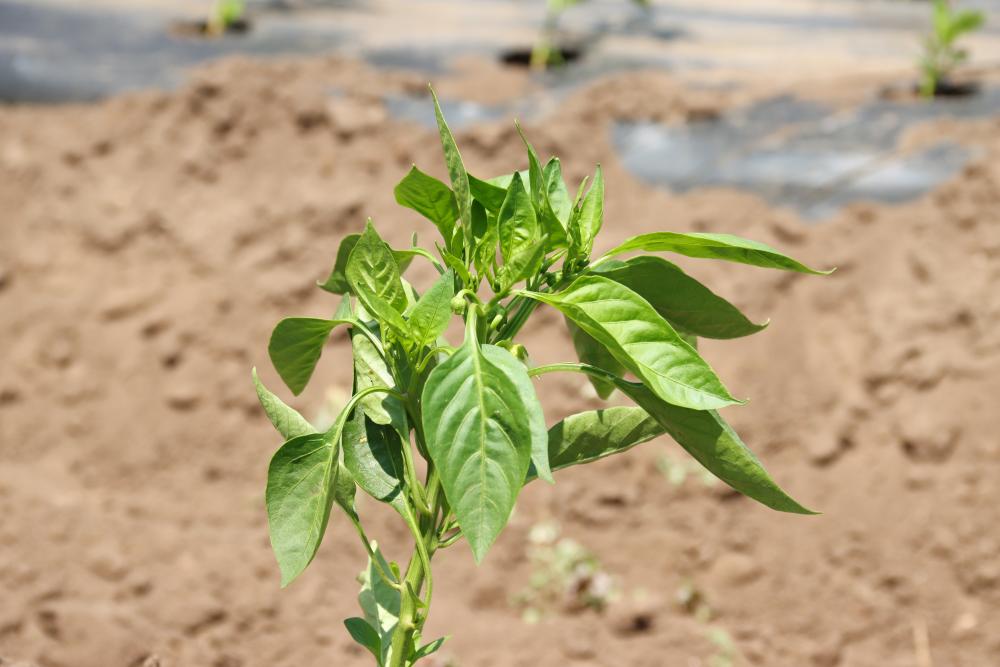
(508, 245)
(941, 54)
(547, 51)
(225, 15)
(564, 575)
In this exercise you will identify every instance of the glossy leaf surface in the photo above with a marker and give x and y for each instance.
(479, 437)
(641, 340)
(679, 298)
(714, 246)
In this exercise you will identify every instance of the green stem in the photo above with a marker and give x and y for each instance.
(423, 554)
(417, 491)
(386, 577)
(402, 637)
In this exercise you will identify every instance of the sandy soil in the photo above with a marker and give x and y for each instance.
(149, 244)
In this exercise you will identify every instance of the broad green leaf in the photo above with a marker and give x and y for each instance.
(373, 455)
(520, 236)
(295, 348)
(489, 194)
(517, 224)
(714, 246)
(679, 298)
(429, 649)
(586, 222)
(515, 371)
(641, 340)
(365, 635)
(595, 434)
(478, 433)
(715, 445)
(456, 169)
(555, 188)
(430, 198)
(379, 601)
(503, 182)
(522, 265)
(287, 421)
(344, 490)
(589, 351)
(300, 485)
(337, 280)
(431, 314)
(374, 277)
(372, 270)
(370, 370)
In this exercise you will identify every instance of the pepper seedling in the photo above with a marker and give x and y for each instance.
(508, 245)
(941, 54)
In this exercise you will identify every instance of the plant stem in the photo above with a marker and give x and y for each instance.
(402, 637)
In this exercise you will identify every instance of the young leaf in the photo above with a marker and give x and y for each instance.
(485, 237)
(370, 370)
(714, 246)
(516, 222)
(374, 277)
(522, 265)
(715, 445)
(550, 223)
(430, 316)
(300, 484)
(456, 169)
(344, 491)
(455, 263)
(536, 176)
(595, 434)
(373, 455)
(372, 270)
(295, 348)
(478, 433)
(679, 298)
(515, 371)
(586, 222)
(337, 281)
(555, 189)
(430, 198)
(641, 340)
(520, 241)
(365, 635)
(287, 421)
(589, 351)
(379, 601)
(490, 195)
(429, 649)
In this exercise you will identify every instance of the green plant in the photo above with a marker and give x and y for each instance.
(546, 52)
(225, 14)
(509, 244)
(941, 55)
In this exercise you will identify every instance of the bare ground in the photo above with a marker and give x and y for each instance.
(149, 243)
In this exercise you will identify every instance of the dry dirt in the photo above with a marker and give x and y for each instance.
(149, 244)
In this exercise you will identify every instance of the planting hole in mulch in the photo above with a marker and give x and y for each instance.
(203, 29)
(521, 57)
